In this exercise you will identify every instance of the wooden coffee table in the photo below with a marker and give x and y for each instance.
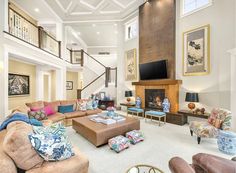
(99, 134)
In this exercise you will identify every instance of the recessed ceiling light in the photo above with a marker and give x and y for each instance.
(94, 25)
(116, 32)
(98, 33)
(115, 24)
(36, 10)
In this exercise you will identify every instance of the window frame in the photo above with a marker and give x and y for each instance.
(210, 3)
(128, 24)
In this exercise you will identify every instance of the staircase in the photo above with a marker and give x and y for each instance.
(100, 76)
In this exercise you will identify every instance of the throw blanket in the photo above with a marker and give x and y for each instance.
(20, 117)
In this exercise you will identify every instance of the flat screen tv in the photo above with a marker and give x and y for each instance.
(153, 70)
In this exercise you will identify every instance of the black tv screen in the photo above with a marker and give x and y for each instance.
(153, 70)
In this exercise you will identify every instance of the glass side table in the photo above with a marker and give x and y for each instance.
(144, 169)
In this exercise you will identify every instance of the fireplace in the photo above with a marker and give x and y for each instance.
(154, 98)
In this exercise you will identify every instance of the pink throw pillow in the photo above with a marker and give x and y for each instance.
(34, 109)
(49, 110)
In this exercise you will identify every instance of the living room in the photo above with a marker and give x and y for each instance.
(117, 86)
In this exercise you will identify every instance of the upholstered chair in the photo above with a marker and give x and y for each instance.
(220, 119)
(203, 163)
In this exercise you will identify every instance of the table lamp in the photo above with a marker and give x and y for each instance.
(128, 94)
(191, 97)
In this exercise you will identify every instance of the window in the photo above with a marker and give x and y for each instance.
(131, 29)
(191, 6)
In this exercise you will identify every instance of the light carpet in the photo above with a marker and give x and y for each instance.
(160, 145)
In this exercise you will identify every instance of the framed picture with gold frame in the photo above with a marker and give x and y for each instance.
(131, 65)
(196, 51)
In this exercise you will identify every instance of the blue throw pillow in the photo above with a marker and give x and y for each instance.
(35, 122)
(65, 109)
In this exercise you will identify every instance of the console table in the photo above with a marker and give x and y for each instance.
(104, 104)
(191, 114)
(128, 105)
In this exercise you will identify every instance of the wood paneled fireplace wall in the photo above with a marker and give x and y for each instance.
(157, 42)
(171, 88)
(157, 33)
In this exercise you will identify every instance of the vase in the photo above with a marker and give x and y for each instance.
(111, 113)
(138, 102)
(166, 105)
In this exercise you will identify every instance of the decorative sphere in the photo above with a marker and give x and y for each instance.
(191, 106)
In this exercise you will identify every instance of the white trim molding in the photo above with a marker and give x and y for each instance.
(233, 87)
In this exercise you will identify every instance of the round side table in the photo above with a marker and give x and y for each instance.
(144, 169)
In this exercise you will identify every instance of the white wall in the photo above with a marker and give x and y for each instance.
(125, 46)
(214, 88)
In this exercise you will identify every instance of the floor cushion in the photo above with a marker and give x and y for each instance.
(119, 143)
(17, 145)
(227, 142)
(135, 136)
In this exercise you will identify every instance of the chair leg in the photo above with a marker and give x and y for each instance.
(191, 132)
(198, 140)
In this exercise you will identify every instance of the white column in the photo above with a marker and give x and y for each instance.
(39, 83)
(3, 60)
(61, 83)
(233, 87)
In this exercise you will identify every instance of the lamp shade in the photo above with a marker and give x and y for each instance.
(192, 97)
(128, 94)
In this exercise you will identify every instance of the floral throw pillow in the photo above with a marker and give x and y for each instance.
(56, 129)
(51, 143)
(51, 147)
(82, 105)
(38, 115)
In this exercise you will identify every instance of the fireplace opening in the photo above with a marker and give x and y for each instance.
(154, 98)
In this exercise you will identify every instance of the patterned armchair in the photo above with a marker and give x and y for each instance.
(220, 119)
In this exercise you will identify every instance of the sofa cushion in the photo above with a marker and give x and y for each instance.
(92, 112)
(6, 163)
(65, 109)
(38, 115)
(54, 105)
(69, 102)
(56, 117)
(76, 164)
(51, 143)
(75, 114)
(35, 105)
(17, 145)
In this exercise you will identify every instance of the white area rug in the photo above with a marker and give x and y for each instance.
(160, 145)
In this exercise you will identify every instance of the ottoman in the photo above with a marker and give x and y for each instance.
(135, 136)
(156, 114)
(119, 143)
(227, 142)
(135, 111)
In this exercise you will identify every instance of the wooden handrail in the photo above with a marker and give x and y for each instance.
(38, 42)
(93, 81)
(29, 43)
(22, 16)
(94, 59)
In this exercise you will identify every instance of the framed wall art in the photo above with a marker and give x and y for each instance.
(196, 51)
(18, 85)
(131, 65)
(69, 85)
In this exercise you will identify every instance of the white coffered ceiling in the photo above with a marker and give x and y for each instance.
(81, 10)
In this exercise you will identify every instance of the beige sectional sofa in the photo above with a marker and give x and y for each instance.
(17, 152)
(67, 117)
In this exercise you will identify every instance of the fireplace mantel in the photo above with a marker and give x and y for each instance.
(171, 88)
(158, 82)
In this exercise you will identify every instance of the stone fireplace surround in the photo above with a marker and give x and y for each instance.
(171, 88)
